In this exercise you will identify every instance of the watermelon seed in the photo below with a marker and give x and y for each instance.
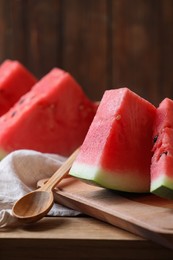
(165, 152)
(13, 114)
(155, 139)
(159, 155)
(118, 117)
(21, 101)
(33, 96)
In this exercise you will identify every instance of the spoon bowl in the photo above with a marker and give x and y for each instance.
(36, 204)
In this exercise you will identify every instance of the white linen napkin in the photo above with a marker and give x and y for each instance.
(19, 173)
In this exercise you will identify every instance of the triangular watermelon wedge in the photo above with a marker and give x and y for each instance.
(162, 160)
(53, 117)
(15, 81)
(116, 152)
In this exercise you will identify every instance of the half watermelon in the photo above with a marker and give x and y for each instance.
(53, 117)
(162, 160)
(15, 81)
(116, 152)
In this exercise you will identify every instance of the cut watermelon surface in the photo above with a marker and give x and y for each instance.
(162, 160)
(15, 81)
(116, 152)
(53, 117)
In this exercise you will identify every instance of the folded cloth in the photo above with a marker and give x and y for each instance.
(19, 173)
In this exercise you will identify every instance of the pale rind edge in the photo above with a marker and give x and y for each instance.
(162, 186)
(2, 154)
(114, 181)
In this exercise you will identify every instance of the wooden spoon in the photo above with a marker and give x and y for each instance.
(36, 204)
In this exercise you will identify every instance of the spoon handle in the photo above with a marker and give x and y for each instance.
(60, 173)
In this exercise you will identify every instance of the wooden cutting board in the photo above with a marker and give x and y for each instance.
(143, 214)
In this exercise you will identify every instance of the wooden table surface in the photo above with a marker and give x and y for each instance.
(76, 238)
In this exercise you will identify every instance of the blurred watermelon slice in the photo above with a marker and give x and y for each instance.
(116, 152)
(162, 160)
(53, 117)
(15, 81)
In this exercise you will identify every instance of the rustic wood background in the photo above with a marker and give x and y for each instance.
(103, 43)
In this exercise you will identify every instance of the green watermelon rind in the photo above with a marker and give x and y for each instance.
(162, 187)
(2, 154)
(100, 177)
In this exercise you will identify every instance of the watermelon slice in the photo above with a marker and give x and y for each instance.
(53, 117)
(15, 80)
(116, 152)
(162, 160)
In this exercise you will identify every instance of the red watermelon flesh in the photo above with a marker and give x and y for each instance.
(162, 160)
(53, 117)
(116, 152)
(15, 80)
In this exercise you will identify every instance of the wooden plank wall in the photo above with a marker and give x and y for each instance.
(103, 43)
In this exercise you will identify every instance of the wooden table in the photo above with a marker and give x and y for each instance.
(76, 238)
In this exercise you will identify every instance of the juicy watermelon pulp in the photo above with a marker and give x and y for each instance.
(116, 152)
(162, 160)
(53, 117)
(15, 81)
